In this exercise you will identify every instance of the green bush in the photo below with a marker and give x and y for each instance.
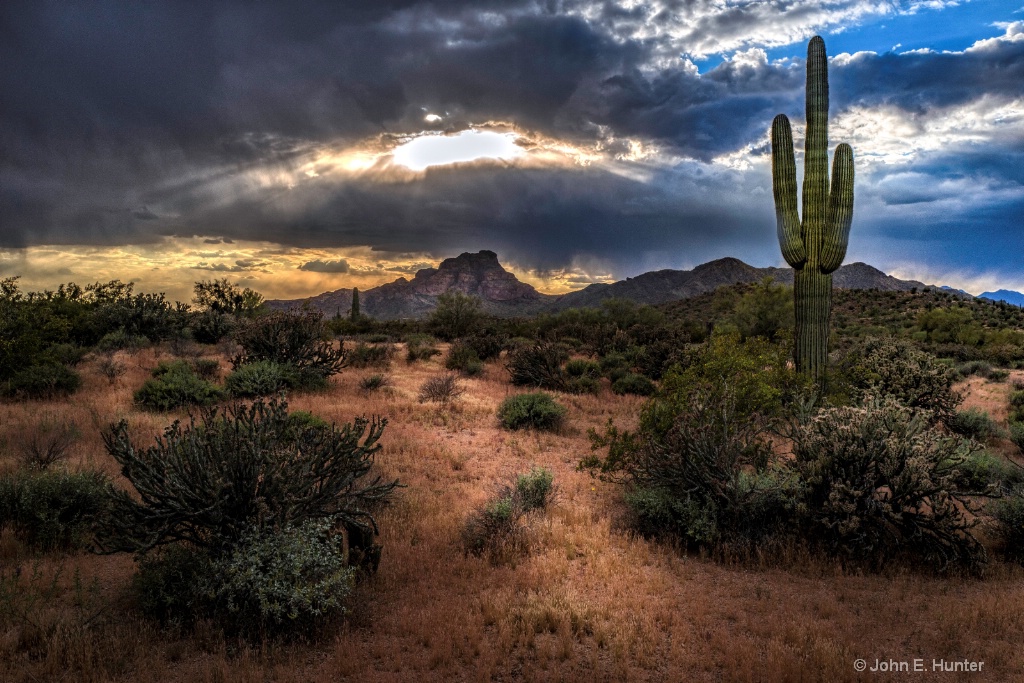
(121, 341)
(534, 489)
(375, 356)
(984, 471)
(262, 378)
(463, 358)
(45, 380)
(53, 509)
(420, 347)
(580, 367)
(486, 346)
(1017, 406)
(973, 423)
(981, 368)
(534, 410)
(281, 580)
(581, 385)
(1008, 514)
(882, 482)
(497, 528)
(1017, 434)
(168, 584)
(632, 383)
(174, 385)
(295, 339)
(456, 314)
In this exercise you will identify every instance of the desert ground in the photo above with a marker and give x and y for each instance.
(588, 601)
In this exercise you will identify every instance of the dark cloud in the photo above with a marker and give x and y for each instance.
(122, 123)
(319, 266)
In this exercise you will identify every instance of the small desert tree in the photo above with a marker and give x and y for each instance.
(456, 315)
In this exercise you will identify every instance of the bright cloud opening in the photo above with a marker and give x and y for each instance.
(469, 145)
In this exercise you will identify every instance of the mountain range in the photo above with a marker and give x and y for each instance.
(502, 294)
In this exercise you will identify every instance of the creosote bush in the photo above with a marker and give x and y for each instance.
(420, 347)
(374, 382)
(632, 383)
(53, 509)
(1008, 513)
(174, 385)
(973, 423)
(536, 410)
(443, 388)
(262, 378)
(372, 355)
(463, 358)
(497, 529)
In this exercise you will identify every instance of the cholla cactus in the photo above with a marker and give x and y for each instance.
(815, 246)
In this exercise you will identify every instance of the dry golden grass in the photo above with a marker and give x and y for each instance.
(588, 602)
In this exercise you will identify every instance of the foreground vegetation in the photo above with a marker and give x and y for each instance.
(744, 566)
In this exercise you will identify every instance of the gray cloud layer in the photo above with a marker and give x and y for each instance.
(121, 123)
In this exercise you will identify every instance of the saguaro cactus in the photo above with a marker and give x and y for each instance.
(815, 246)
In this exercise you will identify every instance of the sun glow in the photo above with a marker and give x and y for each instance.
(469, 145)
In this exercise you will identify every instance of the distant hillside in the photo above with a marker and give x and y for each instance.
(479, 275)
(670, 285)
(1009, 296)
(502, 294)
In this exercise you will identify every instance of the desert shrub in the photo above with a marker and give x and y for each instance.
(534, 489)
(463, 358)
(53, 509)
(486, 346)
(211, 481)
(1017, 434)
(535, 410)
(973, 423)
(895, 367)
(48, 443)
(443, 388)
(985, 472)
(420, 347)
(110, 367)
(374, 382)
(378, 338)
(295, 339)
(375, 356)
(174, 385)
(881, 482)
(1017, 406)
(1008, 515)
(45, 380)
(262, 378)
(580, 367)
(981, 368)
(581, 385)
(168, 584)
(281, 580)
(121, 341)
(210, 326)
(66, 354)
(537, 365)
(632, 383)
(206, 368)
(497, 528)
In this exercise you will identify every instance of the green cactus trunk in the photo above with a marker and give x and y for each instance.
(812, 291)
(816, 245)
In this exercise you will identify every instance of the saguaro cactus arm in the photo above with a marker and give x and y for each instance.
(840, 210)
(784, 188)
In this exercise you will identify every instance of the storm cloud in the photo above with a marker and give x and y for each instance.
(125, 124)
